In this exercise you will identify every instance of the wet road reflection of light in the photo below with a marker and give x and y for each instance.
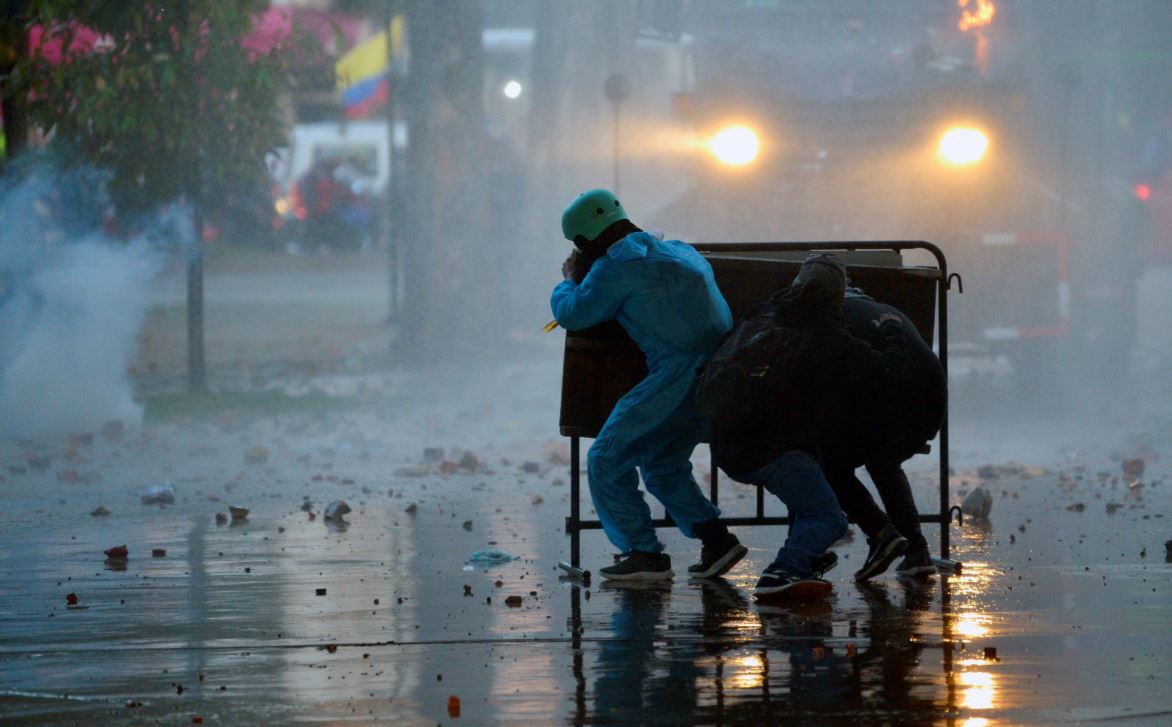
(971, 625)
(746, 672)
(980, 688)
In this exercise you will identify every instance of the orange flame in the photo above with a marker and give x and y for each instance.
(978, 18)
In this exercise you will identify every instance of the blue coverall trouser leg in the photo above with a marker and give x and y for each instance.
(654, 428)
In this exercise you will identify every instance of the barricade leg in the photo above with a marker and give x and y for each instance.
(574, 521)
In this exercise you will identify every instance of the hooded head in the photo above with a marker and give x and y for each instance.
(815, 296)
(823, 276)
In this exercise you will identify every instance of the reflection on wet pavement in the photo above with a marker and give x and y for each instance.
(286, 619)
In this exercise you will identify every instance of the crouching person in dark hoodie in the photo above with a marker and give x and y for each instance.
(892, 425)
(779, 442)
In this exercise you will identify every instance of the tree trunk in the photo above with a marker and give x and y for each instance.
(447, 261)
(15, 107)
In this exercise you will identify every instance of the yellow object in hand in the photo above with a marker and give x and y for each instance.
(550, 326)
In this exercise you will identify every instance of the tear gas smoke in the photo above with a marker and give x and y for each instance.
(71, 303)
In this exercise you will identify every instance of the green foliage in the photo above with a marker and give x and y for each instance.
(170, 101)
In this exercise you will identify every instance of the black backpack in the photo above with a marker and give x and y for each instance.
(752, 369)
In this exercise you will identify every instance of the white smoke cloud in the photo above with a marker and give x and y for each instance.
(71, 305)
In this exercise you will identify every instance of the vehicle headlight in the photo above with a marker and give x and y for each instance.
(961, 146)
(281, 206)
(735, 146)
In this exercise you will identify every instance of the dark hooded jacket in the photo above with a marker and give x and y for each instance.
(896, 419)
(832, 371)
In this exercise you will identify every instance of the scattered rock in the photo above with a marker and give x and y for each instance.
(453, 706)
(411, 509)
(1112, 507)
(1077, 507)
(163, 494)
(306, 505)
(978, 504)
(100, 511)
(537, 500)
(70, 599)
(320, 592)
(239, 514)
(158, 553)
(221, 519)
(513, 601)
(119, 552)
(468, 525)
(336, 510)
(530, 468)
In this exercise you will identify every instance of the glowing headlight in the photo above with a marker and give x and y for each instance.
(735, 145)
(961, 146)
(512, 89)
(281, 206)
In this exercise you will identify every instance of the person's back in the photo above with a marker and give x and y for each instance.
(886, 426)
(666, 297)
(831, 371)
(910, 412)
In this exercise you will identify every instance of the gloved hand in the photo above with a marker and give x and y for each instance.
(575, 267)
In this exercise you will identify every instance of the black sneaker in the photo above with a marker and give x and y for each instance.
(778, 584)
(718, 558)
(915, 564)
(639, 566)
(822, 564)
(884, 549)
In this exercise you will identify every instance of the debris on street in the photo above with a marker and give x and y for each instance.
(118, 552)
(336, 510)
(163, 494)
(977, 504)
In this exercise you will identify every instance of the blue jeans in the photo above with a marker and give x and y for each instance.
(652, 430)
(817, 520)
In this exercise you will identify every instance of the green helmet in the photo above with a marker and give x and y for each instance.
(591, 213)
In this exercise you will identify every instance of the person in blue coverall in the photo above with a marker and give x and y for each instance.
(663, 293)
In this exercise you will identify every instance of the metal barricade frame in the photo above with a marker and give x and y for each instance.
(782, 252)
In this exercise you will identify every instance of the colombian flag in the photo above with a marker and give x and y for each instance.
(363, 74)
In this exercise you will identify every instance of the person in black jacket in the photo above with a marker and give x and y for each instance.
(890, 425)
(780, 444)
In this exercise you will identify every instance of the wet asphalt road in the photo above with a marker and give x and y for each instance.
(1061, 614)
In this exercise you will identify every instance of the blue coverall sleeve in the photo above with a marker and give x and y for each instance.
(579, 306)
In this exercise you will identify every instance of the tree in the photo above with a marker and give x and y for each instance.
(172, 97)
(450, 261)
(13, 46)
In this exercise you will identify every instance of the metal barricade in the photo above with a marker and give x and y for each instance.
(603, 363)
